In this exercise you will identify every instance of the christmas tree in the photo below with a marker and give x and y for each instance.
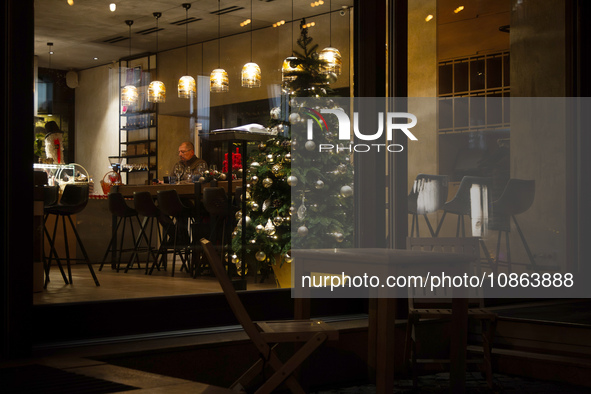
(308, 204)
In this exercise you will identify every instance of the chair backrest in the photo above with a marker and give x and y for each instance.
(50, 195)
(75, 195)
(428, 194)
(236, 305)
(170, 203)
(461, 202)
(118, 206)
(517, 197)
(466, 246)
(215, 201)
(144, 204)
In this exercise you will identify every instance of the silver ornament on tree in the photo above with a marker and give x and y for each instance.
(292, 210)
(292, 180)
(275, 113)
(310, 145)
(287, 258)
(254, 179)
(287, 157)
(261, 256)
(270, 158)
(339, 237)
(302, 231)
(277, 220)
(346, 191)
(269, 228)
(342, 168)
(302, 210)
(267, 182)
(294, 117)
(259, 228)
(319, 184)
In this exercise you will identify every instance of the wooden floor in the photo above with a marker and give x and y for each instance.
(133, 284)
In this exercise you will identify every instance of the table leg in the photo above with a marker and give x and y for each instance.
(114, 241)
(459, 341)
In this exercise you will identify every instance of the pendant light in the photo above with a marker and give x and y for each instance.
(187, 87)
(290, 69)
(218, 80)
(251, 72)
(331, 55)
(157, 90)
(129, 95)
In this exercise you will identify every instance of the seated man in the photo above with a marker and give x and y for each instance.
(188, 159)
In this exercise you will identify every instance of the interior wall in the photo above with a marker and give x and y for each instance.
(538, 144)
(97, 121)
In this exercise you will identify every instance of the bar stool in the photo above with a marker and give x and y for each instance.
(124, 214)
(73, 201)
(145, 206)
(170, 204)
(50, 198)
(428, 195)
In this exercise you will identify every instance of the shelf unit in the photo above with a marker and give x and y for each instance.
(471, 92)
(474, 115)
(138, 124)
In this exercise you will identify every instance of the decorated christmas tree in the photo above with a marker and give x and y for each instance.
(296, 196)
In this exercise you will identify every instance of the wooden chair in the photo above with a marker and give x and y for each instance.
(431, 306)
(309, 334)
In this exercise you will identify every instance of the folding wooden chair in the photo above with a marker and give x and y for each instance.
(309, 334)
(428, 305)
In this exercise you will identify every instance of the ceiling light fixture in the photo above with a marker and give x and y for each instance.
(218, 80)
(290, 67)
(112, 7)
(156, 90)
(129, 95)
(251, 72)
(428, 18)
(459, 9)
(70, 2)
(187, 87)
(280, 23)
(331, 56)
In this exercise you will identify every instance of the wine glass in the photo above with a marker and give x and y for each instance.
(178, 170)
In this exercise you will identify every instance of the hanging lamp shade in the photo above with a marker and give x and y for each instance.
(129, 93)
(156, 92)
(219, 81)
(333, 60)
(289, 70)
(187, 87)
(251, 75)
(129, 96)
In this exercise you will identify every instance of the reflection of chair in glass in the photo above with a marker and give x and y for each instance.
(428, 195)
(73, 201)
(462, 203)
(517, 197)
(265, 336)
(430, 310)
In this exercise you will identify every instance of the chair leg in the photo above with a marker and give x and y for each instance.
(67, 248)
(489, 259)
(440, 223)
(52, 251)
(412, 227)
(287, 369)
(525, 245)
(509, 266)
(104, 259)
(429, 225)
(96, 281)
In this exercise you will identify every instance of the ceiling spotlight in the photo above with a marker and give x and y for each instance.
(95, 58)
(428, 18)
(281, 22)
(246, 22)
(459, 9)
(112, 7)
(70, 2)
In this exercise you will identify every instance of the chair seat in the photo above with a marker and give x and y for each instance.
(62, 209)
(295, 330)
